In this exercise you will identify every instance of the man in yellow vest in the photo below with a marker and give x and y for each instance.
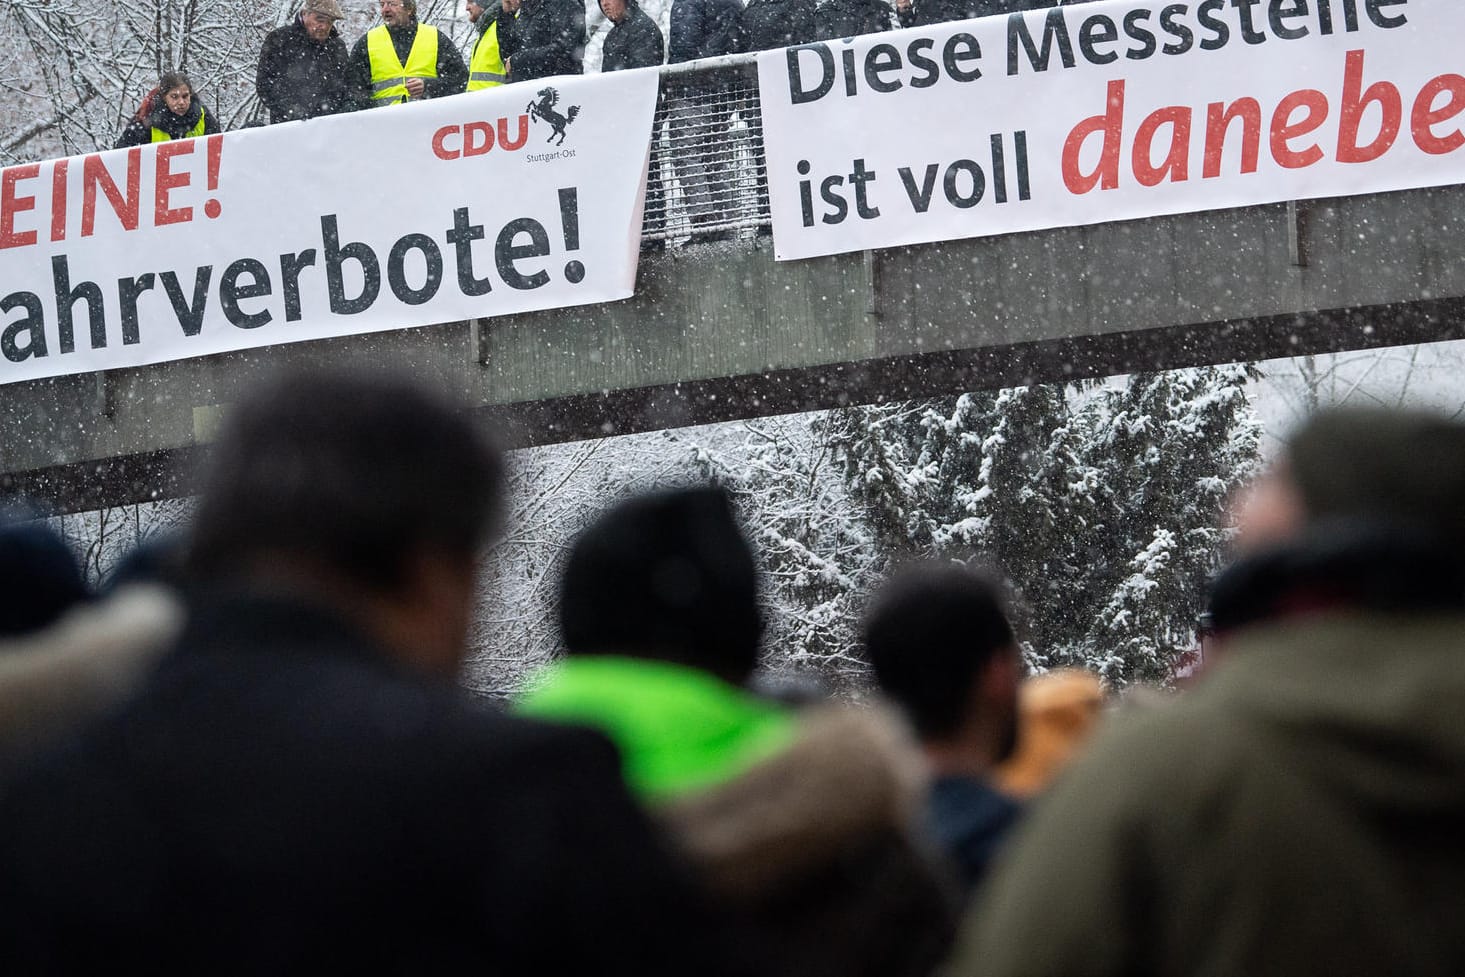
(402, 60)
(486, 66)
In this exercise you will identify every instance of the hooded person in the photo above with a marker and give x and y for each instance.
(302, 66)
(1297, 811)
(170, 111)
(801, 824)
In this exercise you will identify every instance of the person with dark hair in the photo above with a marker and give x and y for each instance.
(941, 647)
(170, 111)
(799, 823)
(1297, 811)
(401, 60)
(302, 66)
(299, 787)
(40, 578)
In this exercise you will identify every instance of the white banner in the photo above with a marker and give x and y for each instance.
(1107, 111)
(504, 200)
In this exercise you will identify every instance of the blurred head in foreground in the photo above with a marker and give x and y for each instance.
(365, 492)
(941, 646)
(40, 579)
(667, 576)
(1365, 509)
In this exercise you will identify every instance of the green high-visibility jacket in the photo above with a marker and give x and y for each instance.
(388, 75)
(486, 68)
(678, 729)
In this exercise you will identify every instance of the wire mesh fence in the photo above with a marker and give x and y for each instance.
(707, 179)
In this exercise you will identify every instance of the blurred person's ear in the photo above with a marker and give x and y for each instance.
(425, 621)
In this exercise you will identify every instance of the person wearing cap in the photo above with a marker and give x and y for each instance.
(403, 61)
(302, 66)
(1298, 811)
(486, 64)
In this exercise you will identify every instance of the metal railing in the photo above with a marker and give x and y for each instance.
(707, 179)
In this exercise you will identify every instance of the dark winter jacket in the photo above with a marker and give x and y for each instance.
(547, 38)
(702, 29)
(176, 126)
(633, 43)
(1297, 812)
(452, 73)
(970, 820)
(301, 78)
(923, 13)
(768, 24)
(850, 18)
(282, 798)
(801, 824)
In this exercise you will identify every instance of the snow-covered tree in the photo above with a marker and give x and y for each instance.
(1101, 505)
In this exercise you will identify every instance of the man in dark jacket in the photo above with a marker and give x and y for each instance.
(850, 18)
(300, 788)
(702, 29)
(302, 66)
(922, 13)
(698, 111)
(942, 648)
(768, 24)
(547, 37)
(634, 40)
(402, 60)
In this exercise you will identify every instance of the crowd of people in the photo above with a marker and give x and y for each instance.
(305, 70)
(250, 755)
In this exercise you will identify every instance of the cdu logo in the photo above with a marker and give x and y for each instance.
(544, 111)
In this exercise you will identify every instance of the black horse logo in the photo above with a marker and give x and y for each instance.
(545, 109)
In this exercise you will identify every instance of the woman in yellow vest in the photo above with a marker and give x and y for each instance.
(403, 60)
(170, 111)
(486, 67)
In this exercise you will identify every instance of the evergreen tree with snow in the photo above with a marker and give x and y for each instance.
(1102, 505)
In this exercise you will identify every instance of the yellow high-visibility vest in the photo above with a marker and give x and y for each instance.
(388, 75)
(487, 67)
(160, 135)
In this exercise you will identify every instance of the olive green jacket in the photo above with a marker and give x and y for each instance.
(1302, 812)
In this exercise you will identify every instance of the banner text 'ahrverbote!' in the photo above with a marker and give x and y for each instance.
(457, 208)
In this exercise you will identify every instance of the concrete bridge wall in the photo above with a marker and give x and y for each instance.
(718, 332)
